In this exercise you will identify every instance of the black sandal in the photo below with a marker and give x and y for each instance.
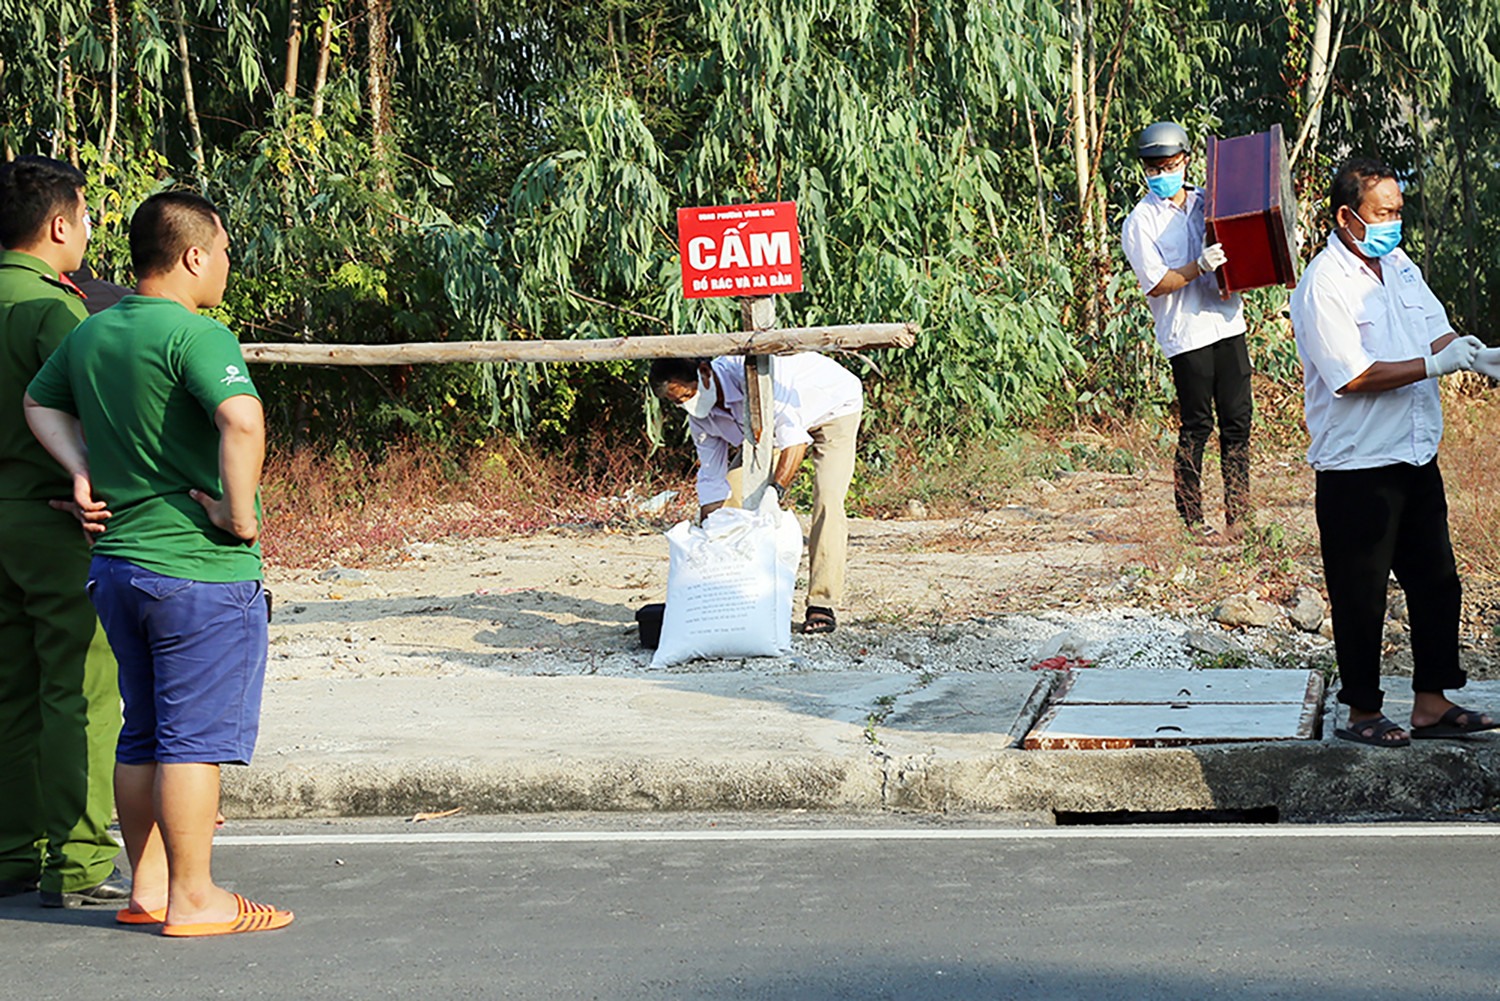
(1456, 722)
(1372, 732)
(819, 620)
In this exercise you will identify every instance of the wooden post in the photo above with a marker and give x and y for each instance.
(855, 337)
(757, 314)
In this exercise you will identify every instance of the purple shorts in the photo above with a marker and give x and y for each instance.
(192, 663)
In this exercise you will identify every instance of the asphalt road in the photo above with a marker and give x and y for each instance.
(803, 906)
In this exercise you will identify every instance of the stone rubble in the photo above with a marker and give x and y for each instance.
(1246, 610)
(1122, 637)
(1308, 609)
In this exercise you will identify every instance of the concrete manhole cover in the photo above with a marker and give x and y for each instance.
(1102, 708)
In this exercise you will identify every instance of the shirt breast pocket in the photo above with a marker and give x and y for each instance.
(1416, 312)
(1173, 244)
(1375, 334)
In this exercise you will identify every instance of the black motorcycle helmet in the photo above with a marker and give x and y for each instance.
(1162, 139)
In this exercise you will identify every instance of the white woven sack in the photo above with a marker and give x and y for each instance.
(730, 584)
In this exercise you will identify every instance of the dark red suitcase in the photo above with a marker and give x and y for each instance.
(1252, 211)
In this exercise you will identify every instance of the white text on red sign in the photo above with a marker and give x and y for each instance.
(739, 250)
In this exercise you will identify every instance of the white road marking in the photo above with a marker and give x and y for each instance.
(1221, 832)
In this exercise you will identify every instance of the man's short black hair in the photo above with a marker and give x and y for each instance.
(682, 371)
(1354, 178)
(165, 226)
(34, 190)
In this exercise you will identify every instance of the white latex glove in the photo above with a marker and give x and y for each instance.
(1478, 344)
(1458, 354)
(1212, 258)
(1487, 362)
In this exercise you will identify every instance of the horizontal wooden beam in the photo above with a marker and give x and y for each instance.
(854, 337)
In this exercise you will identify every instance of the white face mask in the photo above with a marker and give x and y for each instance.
(700, 403)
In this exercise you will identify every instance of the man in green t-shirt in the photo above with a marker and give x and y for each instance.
(59, 700)
(176, 439)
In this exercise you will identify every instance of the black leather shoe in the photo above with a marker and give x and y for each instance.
(16, 887)
(113, 891)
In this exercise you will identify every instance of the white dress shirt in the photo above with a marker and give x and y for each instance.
(809, 390)
(1346, 319)
(1159, 237)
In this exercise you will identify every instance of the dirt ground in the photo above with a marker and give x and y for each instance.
(1090, 564)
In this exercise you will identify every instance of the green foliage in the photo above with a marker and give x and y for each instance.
(524, 181)
(1272, 547)
(898, 196)
(1229, 660)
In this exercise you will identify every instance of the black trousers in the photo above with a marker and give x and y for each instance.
(1210, 380)
(1372, 522)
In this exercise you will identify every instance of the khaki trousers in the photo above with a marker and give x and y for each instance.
(832, 454)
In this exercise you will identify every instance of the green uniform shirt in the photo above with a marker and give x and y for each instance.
(145, 377)
(36, 312)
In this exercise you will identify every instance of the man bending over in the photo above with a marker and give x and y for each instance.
(817, 405)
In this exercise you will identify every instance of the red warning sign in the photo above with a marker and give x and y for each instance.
(739, 250)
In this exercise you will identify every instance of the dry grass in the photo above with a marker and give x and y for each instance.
(1158, 558)
(344, 507)
(1108, 487)
(1470, 459)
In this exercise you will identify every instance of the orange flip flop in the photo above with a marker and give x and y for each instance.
(252, 917)
(129, 917)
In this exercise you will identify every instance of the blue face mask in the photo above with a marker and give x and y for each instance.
(1380, 237)
(1165, 185)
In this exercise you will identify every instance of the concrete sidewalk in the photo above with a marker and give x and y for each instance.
(748, 741)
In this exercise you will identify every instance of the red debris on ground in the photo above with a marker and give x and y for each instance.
(1061, 664)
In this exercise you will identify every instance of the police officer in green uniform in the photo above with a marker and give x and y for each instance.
(59, 694)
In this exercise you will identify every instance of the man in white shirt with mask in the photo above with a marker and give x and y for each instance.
(817, 410)
(1202, 335)
(1373, 341)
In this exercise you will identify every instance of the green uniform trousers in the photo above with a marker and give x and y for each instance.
(59, 706)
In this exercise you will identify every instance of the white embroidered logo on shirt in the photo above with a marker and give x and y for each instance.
(233, 375)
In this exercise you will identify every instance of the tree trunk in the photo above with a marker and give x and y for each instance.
(1102, 198)
(61, 125)
(1317, 70)
(106, 152)
(289, 90)
(1122, 32)
(1080, 117)
(1419, 134)
(1471, 225)
(1096, 145)
(185, 59)
(1320, 72)
(1081, 165)
(293, 47)
(1091, 100)
(159, 137)
(8, 152)
(1041, 187)
(325, 47)
(911, 44)
(377, 33)
(70, 111)
(1103, 119)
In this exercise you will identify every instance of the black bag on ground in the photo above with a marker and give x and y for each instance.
(648, 620)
